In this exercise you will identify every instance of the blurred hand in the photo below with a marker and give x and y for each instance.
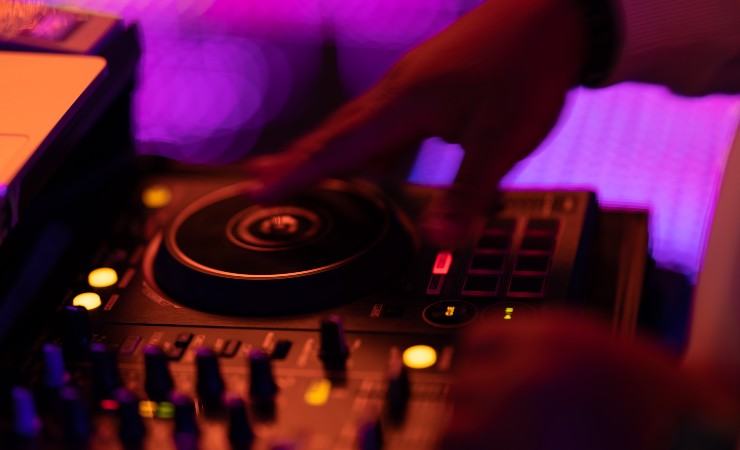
(494, 82)
(559, 382)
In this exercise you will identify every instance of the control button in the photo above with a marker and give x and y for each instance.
(399, 387)
(185, 418)
(500, 226)
(481, 286)
(542, 226)
(75, 417)
(76, 333)
(102, 277)
(281, 350)
(230, 348)
(419, 357)
(506, 312)
(130, 345)
(487, 262)
(370, 435)
(156, 196)
(158, 382)
(436, 282)
(183, 339)
(26, 422)
(317, 392)
(333, 351)
(526, 287)
(240, 430)
(105, 376)
(131, 429)
(55, 374)
(442, 263)
(494, 242)
(538, 244)
(531, 264)
(210, 384)
(87, 300)
(262, 386)
(450, 313)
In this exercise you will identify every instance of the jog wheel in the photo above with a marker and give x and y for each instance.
(326, 247)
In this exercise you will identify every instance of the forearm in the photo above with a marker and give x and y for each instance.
(691, 46)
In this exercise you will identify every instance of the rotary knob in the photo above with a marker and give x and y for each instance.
(105, 376)
(131, 429)
(240, 430)
(76, 332)
(210, 385)
(333, 351)
(55, 374)
(185, 417)
(262, 386)
(75, 416)
(158, 383)
(26, 423)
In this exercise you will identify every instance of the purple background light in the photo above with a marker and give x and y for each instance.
(215, 72)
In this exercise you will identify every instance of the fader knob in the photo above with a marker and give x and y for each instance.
(240, 430)
(333, 351)
(210, 384)
(131, 429)
(105, 376)
(399, 387)
(158, 382)
(75, 417)
(76, 332)
(262, 386)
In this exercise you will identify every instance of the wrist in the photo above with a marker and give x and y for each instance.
(602, 40)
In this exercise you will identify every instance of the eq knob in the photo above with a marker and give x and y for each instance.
(26, 423)
(158, 383)
(105, 376)
(186, 423)
(333, 350)
(262, 386)
(75, 417)
(55, 374)
(76, 332)
(131, 429)
(210, 384)
(241, 434)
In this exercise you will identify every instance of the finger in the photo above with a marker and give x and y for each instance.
(494, 142)
(371, 127)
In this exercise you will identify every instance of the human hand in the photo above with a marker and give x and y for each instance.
(558, 381)
(494, 81)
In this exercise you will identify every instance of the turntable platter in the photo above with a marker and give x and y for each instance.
(325, 247)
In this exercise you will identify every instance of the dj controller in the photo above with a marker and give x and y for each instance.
(158, 308)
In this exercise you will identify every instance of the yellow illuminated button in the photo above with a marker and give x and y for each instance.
(156, 196)
(508, 313)
(88, 300)
(317, 392)
(147, 408)
(165, 410)
(419, 357)
(102, 277)
(450, 311)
